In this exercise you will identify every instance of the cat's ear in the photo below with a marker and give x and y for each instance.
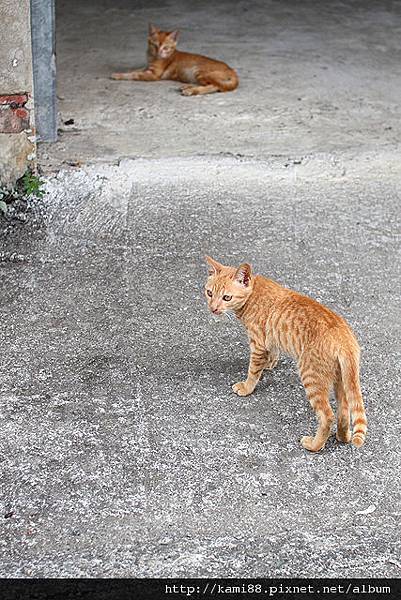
(214, 267)
(152, 30)
(173, 35)
(243, 274)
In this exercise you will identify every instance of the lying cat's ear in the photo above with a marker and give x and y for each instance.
(152, 30)
(214, 267)
(173, 35)
(243, 274)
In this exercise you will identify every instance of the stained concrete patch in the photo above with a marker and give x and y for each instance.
(124, 451)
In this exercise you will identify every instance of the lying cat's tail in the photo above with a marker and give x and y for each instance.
(349, 365)
(228, 83)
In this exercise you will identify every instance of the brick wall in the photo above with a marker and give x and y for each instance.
(14, 116)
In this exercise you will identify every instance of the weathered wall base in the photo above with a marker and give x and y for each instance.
(17, 126)
(17, 151)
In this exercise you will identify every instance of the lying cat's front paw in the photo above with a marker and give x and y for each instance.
(242, 389)
(130, 76)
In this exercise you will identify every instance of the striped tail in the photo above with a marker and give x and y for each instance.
(349, 364)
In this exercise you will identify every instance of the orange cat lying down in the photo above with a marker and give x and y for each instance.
(278, 319)
(204, 75)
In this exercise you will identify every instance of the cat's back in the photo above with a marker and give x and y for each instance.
(290, 311)
(308, 311)
(191, 59)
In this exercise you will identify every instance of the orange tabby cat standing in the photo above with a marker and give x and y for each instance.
(204, 75)
(324, 345)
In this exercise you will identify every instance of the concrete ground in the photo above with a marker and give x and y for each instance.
(123, 450)
(314, 77)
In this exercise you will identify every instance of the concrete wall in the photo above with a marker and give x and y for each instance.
(17, 146)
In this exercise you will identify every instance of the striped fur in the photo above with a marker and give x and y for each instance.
(278, 319)
(202, 75)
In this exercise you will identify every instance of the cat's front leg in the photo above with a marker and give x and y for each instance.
(145, 75)
(257, 363)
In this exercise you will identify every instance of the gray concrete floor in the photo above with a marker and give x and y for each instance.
(315, 77)
(124, 451)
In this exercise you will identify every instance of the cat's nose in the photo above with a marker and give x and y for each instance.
(215, 310)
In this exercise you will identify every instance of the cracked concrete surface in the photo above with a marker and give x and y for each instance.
(123, 450)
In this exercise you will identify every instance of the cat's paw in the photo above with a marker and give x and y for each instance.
(241, 388)
(344, 436)
(187, 90)
(309, 443)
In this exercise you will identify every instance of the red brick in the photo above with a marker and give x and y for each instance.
(13, 120)
(14, 99)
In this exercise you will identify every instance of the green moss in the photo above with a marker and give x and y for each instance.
(30, 185)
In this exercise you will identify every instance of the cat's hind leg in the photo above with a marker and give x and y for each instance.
(343, 413)
(319, 400)
(317, 389)
(198, 90)
(211, 81)
(272, 356)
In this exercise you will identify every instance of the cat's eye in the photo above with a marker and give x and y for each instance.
(209, 293)
(227, 298)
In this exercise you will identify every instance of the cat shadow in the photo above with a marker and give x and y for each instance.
(235, 369)
(231, 367)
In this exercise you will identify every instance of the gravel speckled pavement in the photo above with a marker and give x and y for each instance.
(123, 450)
